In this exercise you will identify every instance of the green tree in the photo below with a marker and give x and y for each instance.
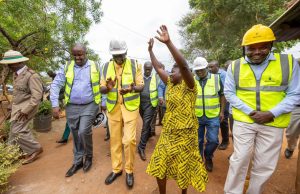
(45, 30)
(214, 28)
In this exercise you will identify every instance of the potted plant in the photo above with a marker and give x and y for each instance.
(43, 118)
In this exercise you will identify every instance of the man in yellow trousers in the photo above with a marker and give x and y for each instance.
(122, 81)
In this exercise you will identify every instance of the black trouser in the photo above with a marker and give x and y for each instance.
(231, 124)
(147, 113)
(224, 125)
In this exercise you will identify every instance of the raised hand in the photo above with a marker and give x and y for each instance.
(110, 84)
(150, 44)
(163, 34)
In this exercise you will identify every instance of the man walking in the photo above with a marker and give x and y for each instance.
(149, 101)
(210, 104)
(292, 132)
(81, 79)
(214, 68)
(262, 88)
(122, 81)
(27, 94)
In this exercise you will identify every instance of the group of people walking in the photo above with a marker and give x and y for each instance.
(257, 94)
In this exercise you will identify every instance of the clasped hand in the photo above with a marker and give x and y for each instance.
(124, 91)
(261, 117)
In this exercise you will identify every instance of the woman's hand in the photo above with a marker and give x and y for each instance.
(163, 34)
(150, 44)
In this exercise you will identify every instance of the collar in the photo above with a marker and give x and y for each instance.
(207, 77)
(271, 57)
(21, 70)
(87, 64)
(150, 76)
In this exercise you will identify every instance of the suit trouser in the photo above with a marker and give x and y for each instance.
(224, 125)
(80, 119)
(20, 134)
(293, 130)
(147, 112)
(119, 136)
(67, 132)
(264, 143)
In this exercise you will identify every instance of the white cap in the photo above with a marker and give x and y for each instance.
(199, 63)
(117, 47)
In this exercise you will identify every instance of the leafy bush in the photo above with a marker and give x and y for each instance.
(45, 108)
(4, 130)
(9, 163)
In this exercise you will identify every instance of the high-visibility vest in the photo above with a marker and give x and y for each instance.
(153, 90)
(266, 93)
(130, 100)
(95, 80)
(208, 100)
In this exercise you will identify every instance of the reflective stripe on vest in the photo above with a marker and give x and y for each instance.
(266, 93)
(131, 100)
(95, 80)
(153, 90)
(211, 97)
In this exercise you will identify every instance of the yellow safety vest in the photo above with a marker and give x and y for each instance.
(95, 80)
(131, 100)
(153, 90)
(208, 101)
(266, 93)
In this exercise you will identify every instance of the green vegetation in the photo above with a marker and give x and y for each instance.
(45, 108)
(45, 30)
(9, 163)
(214, 29)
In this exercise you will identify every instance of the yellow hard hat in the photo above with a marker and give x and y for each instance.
(258, 33)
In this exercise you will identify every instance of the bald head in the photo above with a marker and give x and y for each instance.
(79, 46)
(79, 54)
(147, 68)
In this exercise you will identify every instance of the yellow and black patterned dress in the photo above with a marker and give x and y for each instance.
(176, 154)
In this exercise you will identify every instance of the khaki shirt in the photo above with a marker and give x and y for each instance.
(120, 112)
(27, 94)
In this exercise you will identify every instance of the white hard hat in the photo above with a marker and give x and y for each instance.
(100, 120)
(199, 63)
(117, 47)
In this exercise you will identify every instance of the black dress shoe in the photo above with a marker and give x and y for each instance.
(111, 177)
(62, 141)
(288, 153)
(209, 165)
(142, 154)
(129, 180)
(107, 137)
(87, 164)
(223, 145)
(74, 169)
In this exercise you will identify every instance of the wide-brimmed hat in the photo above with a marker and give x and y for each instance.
(11, 57)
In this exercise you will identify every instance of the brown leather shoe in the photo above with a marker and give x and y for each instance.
(32, 157)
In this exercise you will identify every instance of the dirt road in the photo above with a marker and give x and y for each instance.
(47, 174)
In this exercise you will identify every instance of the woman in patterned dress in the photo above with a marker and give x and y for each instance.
(176, 154)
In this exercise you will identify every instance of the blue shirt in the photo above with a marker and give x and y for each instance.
(81, 92)
(161, 90)
(285, 106)
(222, 74)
